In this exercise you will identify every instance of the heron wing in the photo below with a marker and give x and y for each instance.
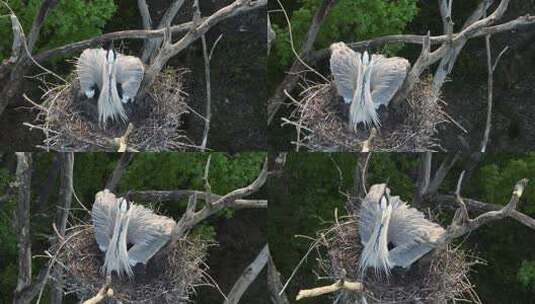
(387, 77)
(410, 232)
(103, 216)
(148, 232)
(130, 71)
(345, 68)
(405, 255)
(89, 68)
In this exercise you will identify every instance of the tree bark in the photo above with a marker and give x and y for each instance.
(62, 214)
(23, 180)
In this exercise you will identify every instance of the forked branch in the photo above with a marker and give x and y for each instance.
(192, 216)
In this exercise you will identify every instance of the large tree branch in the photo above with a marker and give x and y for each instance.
(175, 195)
(46, 7)
(128, 34)
(449, 201)
(145, 14)
(62, 215)
(169, 49)
(275, 284)
(419, 39)
(192, 217)
(462, 223)
(119, 170)
(248, 276)
(23, 181)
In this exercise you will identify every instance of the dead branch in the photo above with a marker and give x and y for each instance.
(170, 49)
(127, 34)
(62, 214)
(275, 284)
(118, 172)
(102, 294)
(46, 7)
(192, 217)
(23, 180)
(175, 195)
(462, 223)
(340, 284)
(248, 276)
(290, 81)
(145, 14)
(150, 45)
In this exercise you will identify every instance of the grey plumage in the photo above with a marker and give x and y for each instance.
(119, 223)
(106, 69)
(366, 82)
(385, 220)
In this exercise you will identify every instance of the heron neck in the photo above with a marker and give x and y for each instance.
(375, 252)
(117, 254)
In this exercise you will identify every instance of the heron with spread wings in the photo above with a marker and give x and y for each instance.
(112, 77)
(127, 233)
(392, 233)
(366, 82)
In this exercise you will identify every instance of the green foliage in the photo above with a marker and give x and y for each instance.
(70, 21)
(349, 20)
(497, 181)
(526, 274)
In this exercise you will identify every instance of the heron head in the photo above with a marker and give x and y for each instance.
(365, 58)
(124, 205)
(111, 55)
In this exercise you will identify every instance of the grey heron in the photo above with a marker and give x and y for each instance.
(120, 224)
(116, 78)
(366, 82)
(392, 233)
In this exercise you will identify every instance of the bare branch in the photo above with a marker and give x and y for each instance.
(169, 50)
(23, 181)
(62, 214)
(118, 172)
(102, 294)
(175, 195)
(248, 276)
(442, 172)
(18, 37)
(128, 34)
(192, 217)
(340, 284)
(418, 39)
(145, 14)
(462, 224)
(275, 284)
(424, 177)
(170, 13)
(46, 7)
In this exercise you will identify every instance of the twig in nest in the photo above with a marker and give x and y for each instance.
(102, 294)
(122, 141)
(340, 284)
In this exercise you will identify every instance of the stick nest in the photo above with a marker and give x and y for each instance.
(321, 120)
(70, 122)
(168, 278)
(439, 277)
